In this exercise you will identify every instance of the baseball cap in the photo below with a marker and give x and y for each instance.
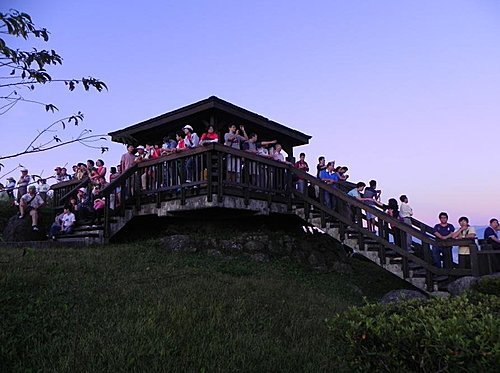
(187, 127)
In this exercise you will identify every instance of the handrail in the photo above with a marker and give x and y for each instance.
(216, 183)
(82, 183)
(428, 241)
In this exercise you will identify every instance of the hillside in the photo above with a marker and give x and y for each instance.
(139, 307)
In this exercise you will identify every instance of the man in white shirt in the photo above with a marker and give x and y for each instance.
(64, 223)
(405, 213)
(31, 203)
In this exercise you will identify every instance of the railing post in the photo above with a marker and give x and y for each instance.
(106, 218)
(220, 177)
(289, 190)
(209, 175)
(474, 260)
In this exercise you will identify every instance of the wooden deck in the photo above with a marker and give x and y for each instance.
(194, 181)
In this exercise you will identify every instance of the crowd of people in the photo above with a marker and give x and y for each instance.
(88, 203)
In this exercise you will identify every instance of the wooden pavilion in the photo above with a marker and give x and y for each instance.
(211, 111)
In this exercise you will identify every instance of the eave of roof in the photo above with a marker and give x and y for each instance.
(212, 102)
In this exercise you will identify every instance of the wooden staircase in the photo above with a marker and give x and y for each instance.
(266, 187)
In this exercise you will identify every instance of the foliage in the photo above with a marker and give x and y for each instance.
(455, 334)
(139, 308)
(487, 285)
(24, 70)
(7, 210)
(27, 68)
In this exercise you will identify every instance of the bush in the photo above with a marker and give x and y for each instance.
(7, 210)
(489, 285)
(454, 334)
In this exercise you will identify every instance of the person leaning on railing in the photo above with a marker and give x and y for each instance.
(464, 231)
(443, 231)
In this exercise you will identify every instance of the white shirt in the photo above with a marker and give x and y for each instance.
(405, 211)
(68, 219)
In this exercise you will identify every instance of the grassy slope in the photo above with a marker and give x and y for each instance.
(139, 308)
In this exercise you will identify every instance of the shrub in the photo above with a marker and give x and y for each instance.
(489, 285)
(7, 209)
(454, 334)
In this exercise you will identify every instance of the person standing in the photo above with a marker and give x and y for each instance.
(11, 184)
(191, 141)
(465, 231)
(234, 138)
(372, 193)
(22, 184)
(329, 177)
(405, 213)
(302, 165)
(443, 231)
(491, 236)
(128, 159)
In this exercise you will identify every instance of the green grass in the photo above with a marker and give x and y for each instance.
(137, 307)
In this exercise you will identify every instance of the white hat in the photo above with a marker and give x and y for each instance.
(24, 170)
(140, 147)
(83, 190)
(187, 126)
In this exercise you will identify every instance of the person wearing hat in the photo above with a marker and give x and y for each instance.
(30, 203)
(9, 188)
(22, 184)
(83, 207)
(190, 141)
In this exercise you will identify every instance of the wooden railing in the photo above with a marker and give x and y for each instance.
(66, 189)
(216, 171)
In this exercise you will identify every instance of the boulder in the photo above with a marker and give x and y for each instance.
(20, 230)
(178, 242)
(401, 295)
(254, 246)
(461, 285)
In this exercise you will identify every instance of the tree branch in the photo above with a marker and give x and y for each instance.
(39, 150)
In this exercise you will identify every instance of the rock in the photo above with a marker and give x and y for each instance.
(178, 242)
(317, 260)
(253, 246)
(260, 257)
(461, 285)
(20, 230)
(401, 295)
(231, 245)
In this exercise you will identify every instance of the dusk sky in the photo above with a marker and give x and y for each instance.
(406, 92)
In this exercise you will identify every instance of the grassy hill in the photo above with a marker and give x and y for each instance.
(138, 307)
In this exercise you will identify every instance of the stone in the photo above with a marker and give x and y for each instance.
(461, 285)
(260, 257)
(402, 295)
(20, 230)
(316, 260)
(178, 242)
(231, 245)
(253, 246)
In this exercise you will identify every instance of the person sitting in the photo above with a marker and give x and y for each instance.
(465, 231)
(210, 136)
(30, 203)
(99, 204)
(64, 223)
(83, 208)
